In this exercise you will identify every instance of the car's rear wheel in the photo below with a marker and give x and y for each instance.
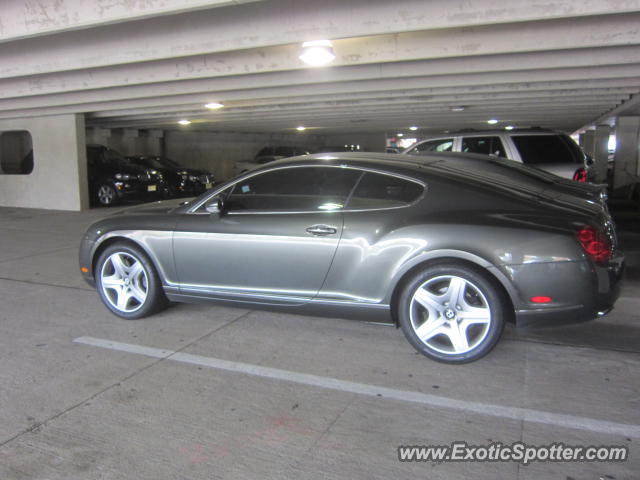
(107, 195)
(128, 283)
(452, 313)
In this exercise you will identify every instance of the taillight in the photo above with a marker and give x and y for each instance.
(580, 175)
(594, 243)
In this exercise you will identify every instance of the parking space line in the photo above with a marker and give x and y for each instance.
(493, 410)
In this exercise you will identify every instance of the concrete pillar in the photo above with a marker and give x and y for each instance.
(626, 168)
(581, 140)
(59, 177)
(588, 142)
(601, 152)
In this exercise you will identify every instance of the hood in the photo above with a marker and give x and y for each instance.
(155, 208)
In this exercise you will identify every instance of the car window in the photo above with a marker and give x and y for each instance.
(536, 149)
(484, 145)
(440, 145)
(383, 191)
(293, 189)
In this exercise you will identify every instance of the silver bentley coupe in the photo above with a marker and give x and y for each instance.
(447, 247)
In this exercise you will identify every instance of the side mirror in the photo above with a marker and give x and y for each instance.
(214, 206)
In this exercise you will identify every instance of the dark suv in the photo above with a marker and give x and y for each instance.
(545, 149)
(177, 180)
(113, 178)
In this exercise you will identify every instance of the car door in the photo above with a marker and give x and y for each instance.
(376, 241)
(274, 241)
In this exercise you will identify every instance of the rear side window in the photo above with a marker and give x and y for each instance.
(483, 145)
(537, 149)
(440, 145)
(294, 189)
(383, 191)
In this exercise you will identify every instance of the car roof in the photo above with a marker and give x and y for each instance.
(493, 131)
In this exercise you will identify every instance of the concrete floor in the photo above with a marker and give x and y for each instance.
(69, 410)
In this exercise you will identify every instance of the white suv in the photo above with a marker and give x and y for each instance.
(547, 150)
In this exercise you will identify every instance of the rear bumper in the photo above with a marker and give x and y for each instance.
(583, 292)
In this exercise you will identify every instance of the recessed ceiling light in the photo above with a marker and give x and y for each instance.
(214, 105)
(459, 108)
(317, 53)
(413, 128)
(400, 135)
(509, 127)
(301, 128)
(184, 122)
(492, 121)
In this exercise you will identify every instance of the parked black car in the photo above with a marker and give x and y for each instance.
(113, 178)
(178, 181)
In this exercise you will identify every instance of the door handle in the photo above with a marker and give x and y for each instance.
(322, 230)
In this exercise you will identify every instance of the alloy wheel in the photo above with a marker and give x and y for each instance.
(106, 195)
(450, 314)
(124, 282)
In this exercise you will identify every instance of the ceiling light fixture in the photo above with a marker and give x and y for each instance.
(413, 128)
(400, 135)
(301, 128)
(509, 127)
(492, 121)
(459, 108)
(184, 122)
(214, 105)
(317, 53)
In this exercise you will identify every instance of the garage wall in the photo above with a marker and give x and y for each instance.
(218, 152)
(58, 180)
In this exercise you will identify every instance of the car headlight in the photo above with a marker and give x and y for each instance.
(122, 176)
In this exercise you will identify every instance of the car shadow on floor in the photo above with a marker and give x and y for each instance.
(601, 334)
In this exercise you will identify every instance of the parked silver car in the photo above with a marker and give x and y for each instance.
(547, 150)
(446, 255)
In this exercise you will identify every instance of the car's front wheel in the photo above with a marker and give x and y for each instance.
(107, 195)
(452, 313)
(128, 283)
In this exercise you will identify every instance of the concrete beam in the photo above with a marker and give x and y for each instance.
(401, 76)
(110, 46)
(57, 16)
(280, 59)
(45, 17)
(275, 23)
(413, 95)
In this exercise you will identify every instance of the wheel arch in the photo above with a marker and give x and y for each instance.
(473, 262)
(111, 239)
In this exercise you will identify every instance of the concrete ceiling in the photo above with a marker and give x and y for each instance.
(558, 63)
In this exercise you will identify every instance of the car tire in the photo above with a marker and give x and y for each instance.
(107, 195)
(452, 313)
(128, 283)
